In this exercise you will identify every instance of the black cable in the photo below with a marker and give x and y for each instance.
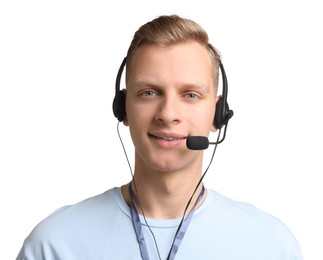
(188, 203)
(190, 200)
(134, 183)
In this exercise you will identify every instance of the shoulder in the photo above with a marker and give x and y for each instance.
(71, 224)
(244, 224)
(235, 209)
(71, 231)
(86, 207)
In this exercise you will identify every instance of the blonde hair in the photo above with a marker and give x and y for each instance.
(168, 30)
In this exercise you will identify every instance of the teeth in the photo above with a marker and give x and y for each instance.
(168, 138)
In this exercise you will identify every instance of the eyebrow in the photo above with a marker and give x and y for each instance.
(142, 82)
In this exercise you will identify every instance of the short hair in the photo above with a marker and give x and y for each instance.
(168, 30)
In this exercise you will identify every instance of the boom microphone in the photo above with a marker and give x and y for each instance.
(198, 142)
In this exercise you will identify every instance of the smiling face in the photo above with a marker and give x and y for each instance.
(170, 96)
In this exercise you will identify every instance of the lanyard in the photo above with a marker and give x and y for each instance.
(179, 234)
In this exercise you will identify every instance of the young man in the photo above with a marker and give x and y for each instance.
(165, 212)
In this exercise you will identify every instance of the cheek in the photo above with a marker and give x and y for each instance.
(138, 116)
(203, 124)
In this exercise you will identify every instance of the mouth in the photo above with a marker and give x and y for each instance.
(167, 138)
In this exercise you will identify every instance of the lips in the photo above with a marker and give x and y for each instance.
(167, 137)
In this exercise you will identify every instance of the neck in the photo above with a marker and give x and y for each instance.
(163, 195)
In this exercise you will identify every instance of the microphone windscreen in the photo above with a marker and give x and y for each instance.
(197, 142)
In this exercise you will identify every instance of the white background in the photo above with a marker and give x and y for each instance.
(58, 139)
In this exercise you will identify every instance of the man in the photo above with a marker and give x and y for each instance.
(165, 212)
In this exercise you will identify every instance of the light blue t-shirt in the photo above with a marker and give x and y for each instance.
(101, 228)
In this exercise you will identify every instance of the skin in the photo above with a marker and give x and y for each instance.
(170, 95)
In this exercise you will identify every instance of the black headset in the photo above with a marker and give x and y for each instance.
(222, 113)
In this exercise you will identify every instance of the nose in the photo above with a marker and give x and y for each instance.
(168, 111)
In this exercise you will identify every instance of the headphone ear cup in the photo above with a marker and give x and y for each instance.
(119, 105)
(218, 117)
(222, 114)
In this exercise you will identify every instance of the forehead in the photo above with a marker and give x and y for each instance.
(189, 62)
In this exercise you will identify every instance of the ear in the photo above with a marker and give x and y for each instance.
(125, 119)
(213, 128)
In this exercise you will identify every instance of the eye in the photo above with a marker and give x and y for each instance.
(148, 93)
(191, 95)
